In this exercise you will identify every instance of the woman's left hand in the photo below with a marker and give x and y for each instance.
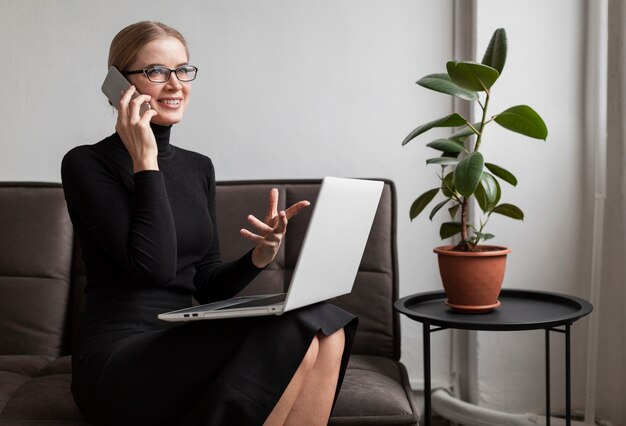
(271, 231)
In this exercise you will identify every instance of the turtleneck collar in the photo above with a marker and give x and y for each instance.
(162, 136)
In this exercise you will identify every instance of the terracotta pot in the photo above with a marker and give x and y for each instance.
(472, 280)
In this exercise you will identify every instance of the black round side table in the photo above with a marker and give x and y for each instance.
(520, 310)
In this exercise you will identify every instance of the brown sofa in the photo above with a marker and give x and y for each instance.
(41, 296)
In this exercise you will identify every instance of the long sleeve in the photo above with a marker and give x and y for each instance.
(151, 228)
(133, 227)
(214, 279)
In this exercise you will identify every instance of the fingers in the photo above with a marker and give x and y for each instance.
(147, 116)
(131, 107)
(261, 226)
(133, 126)
(272, 230)
(250, 236)
(267, 232)
(294, 209)
(281, 227)
(272, 209)
(272, 206)
(265, 229)
(125, 99)
(135, 107)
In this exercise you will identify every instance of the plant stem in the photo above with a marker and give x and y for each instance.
(482, 121)
(463, 242)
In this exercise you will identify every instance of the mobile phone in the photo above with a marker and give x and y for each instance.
(113, 86)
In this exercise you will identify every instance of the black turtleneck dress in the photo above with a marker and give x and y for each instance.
(149, 242)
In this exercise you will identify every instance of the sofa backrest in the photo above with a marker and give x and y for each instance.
(36, 244)
(42, 277)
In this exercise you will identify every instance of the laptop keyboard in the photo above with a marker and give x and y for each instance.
(264, 301)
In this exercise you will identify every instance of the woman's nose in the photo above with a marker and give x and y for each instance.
(173, 83)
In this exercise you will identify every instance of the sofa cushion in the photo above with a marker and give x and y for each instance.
(44, 398)
(35, 265)
(15, 370)
(375, 391)
(36, 391)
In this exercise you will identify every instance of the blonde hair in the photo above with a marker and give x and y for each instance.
(126, 45)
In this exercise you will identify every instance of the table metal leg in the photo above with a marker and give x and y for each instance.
(568, 379)
(548, 414)
(427, 384)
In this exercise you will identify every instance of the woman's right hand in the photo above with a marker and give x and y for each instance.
(135, 131)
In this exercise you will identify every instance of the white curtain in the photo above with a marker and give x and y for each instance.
(611, 389)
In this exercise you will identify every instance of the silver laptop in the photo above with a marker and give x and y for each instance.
(329, 259)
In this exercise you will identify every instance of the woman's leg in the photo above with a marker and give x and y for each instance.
(315, 400)
(309, 396)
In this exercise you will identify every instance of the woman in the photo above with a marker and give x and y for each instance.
(144, 213)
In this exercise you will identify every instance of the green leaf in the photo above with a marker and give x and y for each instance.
(442, 83)
(472, 76)
(468, 173)
(447, 185)
(447, 145)
(484, 237)
(495, 55)
(443, 161)
(503, 174)
(453, 210)
(523, 119)
(487, 192)
(421, 202)
(509, 210)
(461, 135)
(437, 208)
(451, 154)
(452, 120)
(449, 229)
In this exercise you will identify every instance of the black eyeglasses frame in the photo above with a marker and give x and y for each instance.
(171, 70)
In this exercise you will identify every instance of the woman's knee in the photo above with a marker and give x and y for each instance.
(331, 347)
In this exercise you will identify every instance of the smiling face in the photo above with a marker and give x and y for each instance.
(169, 99)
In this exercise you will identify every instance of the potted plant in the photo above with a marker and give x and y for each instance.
(465, 176)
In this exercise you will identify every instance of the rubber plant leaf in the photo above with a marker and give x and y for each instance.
(421, 202)
(509, 210)
(502, 173)
(447, 145)
(437, 208)
(447, 185)
(443, 161)
(442, 83)
(488, 193)
(452, 120)
(484, 236)
(453, 210)
(462, 134)
(472, 75)
(449, 229)
(523, 119)
(495, 55)
(468, 173)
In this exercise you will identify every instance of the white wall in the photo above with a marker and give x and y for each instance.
(297, 89)
(544, 69)
(286, 88)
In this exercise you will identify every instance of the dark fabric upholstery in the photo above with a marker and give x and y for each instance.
(374, 392)
(35, 260)
(41, 297)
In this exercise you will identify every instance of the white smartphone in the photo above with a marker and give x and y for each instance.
(113, 86)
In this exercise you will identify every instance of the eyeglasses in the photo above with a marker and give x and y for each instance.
(159, 74)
